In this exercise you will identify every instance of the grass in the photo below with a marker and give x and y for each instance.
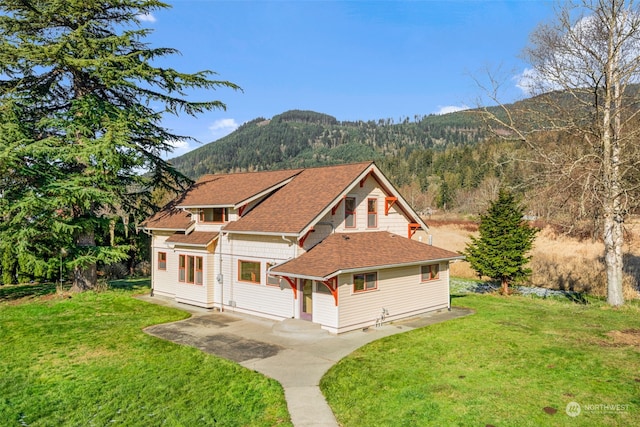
(519, 361)
(84, 360)
(14, 292)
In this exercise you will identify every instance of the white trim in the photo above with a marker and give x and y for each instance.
(186, 208)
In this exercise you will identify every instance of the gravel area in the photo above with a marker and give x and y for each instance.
(479, 287)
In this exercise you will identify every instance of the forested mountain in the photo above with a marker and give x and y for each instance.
(305, 138)
(446, 162)
(434, 159)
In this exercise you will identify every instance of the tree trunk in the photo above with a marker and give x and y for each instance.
(613, 209)
(85, 277)
(505, 286)
(613, 242)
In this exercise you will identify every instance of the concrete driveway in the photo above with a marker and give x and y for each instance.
(294, 352)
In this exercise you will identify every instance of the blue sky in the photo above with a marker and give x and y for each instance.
(354, 60)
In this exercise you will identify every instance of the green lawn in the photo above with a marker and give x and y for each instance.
(85, 361)
(501, 366)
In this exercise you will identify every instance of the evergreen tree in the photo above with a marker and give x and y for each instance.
(500, 251)
(81, 105)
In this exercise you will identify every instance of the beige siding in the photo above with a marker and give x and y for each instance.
(325, 311)
(395, 222)
(400, 292)
(189, 293)
(164, 281)
(260, 299)
(323, 228)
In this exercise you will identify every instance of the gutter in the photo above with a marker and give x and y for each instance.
(364, 269)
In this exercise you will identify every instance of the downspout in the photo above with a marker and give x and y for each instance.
(295, 253)
(220, 277)
(287, 240)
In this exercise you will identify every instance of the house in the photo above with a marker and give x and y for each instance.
(336, 245)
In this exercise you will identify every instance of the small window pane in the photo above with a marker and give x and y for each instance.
(199, 275)
(250, 271)
(372, 213)
(350, 212)
(162, 260)
(371, 281)
(365, 282)
(182, 265)
(430, 272)
(190, 269)
(218, 215)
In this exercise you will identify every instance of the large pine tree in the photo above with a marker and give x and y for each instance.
(81, 107)
(500, 251)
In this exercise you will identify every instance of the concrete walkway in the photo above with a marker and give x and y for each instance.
(294, 352)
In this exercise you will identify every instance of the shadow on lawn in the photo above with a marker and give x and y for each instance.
(31, 290)
(14, 292)
(132, 284)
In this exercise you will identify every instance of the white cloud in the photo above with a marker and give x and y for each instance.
(223, 127)
(179, 146)
(525, 81)
(450, 109)
(147, 17)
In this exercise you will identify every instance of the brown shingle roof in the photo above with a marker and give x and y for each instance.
(295, 205)
(352, 251)
(196, 238)
(232, 189)
(169, 218)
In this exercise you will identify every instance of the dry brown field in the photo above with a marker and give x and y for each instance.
(558, 261)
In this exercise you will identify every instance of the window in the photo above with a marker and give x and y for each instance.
(182, 265)
(430, 272)
(199, 270)
(249, 271)
(365, 282)
(162, 260)
(350, 212)
(190, 269)
(372, 213)
(272, 280)
(214, 215)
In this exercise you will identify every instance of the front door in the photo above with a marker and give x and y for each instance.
(306, 304)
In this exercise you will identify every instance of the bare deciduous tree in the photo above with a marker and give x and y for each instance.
(582, 125)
